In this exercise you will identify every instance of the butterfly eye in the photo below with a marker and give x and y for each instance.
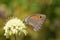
(40, 16)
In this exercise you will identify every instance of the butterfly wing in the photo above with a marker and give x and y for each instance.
(35, 21)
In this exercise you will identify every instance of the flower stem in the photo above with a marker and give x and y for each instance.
(15, 37)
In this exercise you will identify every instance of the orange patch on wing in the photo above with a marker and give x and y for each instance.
(35, 17)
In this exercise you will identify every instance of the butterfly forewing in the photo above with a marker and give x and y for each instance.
(35, 21)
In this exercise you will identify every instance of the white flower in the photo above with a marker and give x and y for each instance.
(14, 26)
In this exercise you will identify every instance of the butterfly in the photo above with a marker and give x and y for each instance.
(35, 21)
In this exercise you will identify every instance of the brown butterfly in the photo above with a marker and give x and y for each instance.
(35, 21)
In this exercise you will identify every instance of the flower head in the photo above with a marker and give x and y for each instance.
(14, 26)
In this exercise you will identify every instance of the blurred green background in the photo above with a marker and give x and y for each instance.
(24, 8)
